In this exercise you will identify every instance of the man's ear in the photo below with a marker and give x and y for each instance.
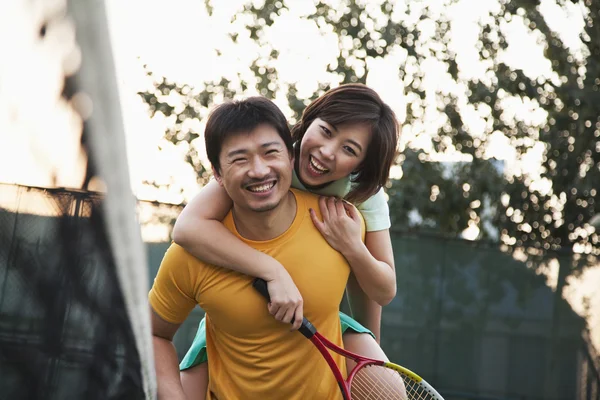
(217, 176)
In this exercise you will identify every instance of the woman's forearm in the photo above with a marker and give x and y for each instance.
(200, 231)
(214, 244)
(364, 310)
(376, 278)
(372, 263)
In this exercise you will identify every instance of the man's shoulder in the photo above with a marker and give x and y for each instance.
(176, 253)
(182, 266)
(176, 250)
(308, 200)
(305, 196)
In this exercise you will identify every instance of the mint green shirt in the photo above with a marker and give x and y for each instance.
(374, 210)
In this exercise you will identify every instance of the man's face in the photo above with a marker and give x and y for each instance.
(256, 169)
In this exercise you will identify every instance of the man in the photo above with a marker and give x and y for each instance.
(250, 354)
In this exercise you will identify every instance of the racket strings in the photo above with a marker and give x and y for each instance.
(416, 391)
(374, 382)
(377, 383)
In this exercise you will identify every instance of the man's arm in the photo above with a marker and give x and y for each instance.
(172, 298)
(165, 359)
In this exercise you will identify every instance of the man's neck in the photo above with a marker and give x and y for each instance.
(267, 225)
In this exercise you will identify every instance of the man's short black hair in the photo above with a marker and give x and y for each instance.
(235, 117)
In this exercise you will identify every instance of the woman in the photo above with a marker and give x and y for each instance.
(345, 144)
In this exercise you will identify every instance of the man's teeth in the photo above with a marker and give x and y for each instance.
(261, 188)
(317, 166)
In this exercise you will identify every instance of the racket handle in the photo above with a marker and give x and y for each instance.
(307, 329)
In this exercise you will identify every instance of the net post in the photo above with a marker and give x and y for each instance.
(107, 143)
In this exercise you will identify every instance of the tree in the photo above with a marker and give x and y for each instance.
(536, 217)
(364, 32)
(555, 218)
(553, 223)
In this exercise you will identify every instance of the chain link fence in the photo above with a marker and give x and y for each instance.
(64, 330)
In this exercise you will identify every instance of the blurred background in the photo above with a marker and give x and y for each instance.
(493, 199)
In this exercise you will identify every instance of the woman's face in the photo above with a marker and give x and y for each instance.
(329, 153)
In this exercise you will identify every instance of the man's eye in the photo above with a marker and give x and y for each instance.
(274, 151)
(238, 160)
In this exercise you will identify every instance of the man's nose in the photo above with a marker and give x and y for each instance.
(259, 168)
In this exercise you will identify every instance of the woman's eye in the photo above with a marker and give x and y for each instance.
(350, 150)
(326, 131)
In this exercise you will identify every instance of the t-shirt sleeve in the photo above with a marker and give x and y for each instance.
(376, 212)
(172, 295)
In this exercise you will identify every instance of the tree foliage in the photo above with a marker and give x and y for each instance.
(541, 215)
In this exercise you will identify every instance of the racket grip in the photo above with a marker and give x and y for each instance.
(307, 329)
(261, 286)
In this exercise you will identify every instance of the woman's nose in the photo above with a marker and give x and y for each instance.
(328, 152)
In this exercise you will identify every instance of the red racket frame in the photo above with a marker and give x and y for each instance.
(322, 344)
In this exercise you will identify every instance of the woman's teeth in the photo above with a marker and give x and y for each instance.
(317, 167)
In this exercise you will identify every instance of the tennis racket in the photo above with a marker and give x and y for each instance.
(370, 379)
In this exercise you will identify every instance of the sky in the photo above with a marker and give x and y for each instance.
(171, 41)
(178, 41)
(37, 133)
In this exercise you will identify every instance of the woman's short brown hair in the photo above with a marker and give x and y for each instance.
(357, 103)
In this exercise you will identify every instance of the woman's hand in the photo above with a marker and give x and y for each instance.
(341, 225)
(371, 262)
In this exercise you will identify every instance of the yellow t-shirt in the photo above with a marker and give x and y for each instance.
(250, 354)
